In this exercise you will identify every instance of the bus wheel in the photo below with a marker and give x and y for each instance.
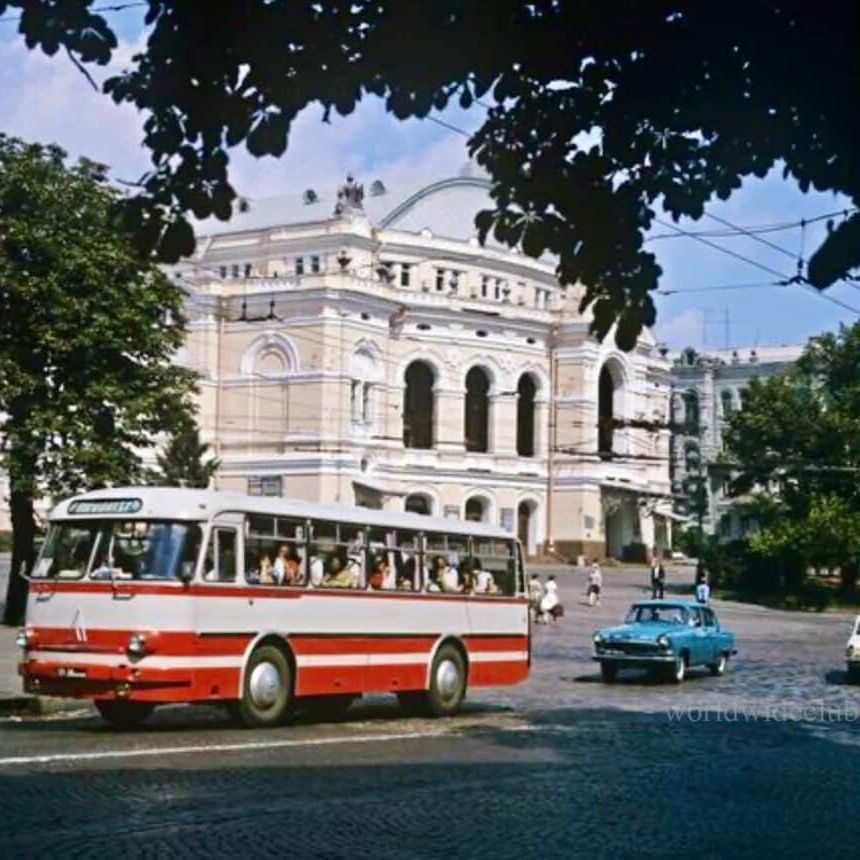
(447, 682)
(124, 714)
(267, 689)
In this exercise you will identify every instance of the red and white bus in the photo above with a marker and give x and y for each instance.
(147, 595)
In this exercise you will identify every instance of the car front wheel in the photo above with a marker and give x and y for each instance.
(719, 667)
(677, 670)
(609, 672)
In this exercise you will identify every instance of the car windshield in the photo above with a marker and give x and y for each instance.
(645, 613)
(119, 549)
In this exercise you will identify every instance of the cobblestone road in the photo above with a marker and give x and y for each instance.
(764, 761)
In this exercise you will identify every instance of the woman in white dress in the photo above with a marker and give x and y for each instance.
(550, 599)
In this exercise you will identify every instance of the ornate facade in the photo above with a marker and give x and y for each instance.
(706, 389)
(366, 349)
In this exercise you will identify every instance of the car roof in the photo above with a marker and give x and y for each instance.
(669, 604)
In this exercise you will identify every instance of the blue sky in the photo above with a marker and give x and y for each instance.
(48, 100)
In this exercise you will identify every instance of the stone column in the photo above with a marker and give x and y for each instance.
(449, 419)
(503, 424)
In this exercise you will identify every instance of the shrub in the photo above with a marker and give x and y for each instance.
(636, 553)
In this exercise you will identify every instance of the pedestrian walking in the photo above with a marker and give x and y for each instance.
(550, 603)
(703, 590)
(594, 585)
(535, 598)
(658, 578)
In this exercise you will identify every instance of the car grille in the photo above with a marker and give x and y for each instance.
(632, 647)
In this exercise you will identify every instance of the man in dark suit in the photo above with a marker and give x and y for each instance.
(658, 578)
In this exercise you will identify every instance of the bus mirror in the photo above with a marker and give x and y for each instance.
(186, 573)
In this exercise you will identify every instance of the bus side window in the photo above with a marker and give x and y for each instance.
(220, 562)
(495, 564)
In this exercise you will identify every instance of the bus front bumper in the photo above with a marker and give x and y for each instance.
(86, 681)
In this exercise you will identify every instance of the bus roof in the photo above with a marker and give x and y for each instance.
(175, 503)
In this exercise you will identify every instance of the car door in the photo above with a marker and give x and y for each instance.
(712, 637)
(697, 637)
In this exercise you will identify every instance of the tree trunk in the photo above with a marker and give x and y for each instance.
(23, 555)
(848, 574)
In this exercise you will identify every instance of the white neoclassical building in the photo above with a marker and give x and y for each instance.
(707, 388)
(362, 347)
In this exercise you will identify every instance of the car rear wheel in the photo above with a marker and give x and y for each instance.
(852, 674)
(609, 672)
(123, 714)
(719, 667)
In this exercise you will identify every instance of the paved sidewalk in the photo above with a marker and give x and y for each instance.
(13, 699)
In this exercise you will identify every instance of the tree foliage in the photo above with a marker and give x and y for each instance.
(182, 462)
(601, 114)
(88, 331)
(796, 443)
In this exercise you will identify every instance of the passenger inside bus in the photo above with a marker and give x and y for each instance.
(380, 574)
(450, 578)
(484, 582)
(317, 568)
(264, 571)
(340, 575)
(287, 569)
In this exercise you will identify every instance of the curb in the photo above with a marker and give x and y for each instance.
(39, 706)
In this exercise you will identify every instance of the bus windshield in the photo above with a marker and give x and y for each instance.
(119, 549)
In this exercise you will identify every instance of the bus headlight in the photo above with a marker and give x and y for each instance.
(24, 638)
(136, 645)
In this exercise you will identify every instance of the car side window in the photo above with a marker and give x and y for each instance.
(710, 618)
(695, 617)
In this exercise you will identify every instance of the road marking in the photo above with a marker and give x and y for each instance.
(260, 745)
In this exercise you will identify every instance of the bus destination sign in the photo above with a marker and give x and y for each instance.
(106, 506)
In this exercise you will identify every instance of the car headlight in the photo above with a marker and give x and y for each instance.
(598, 639)
(136, 645)
(663, 641)
(849, 651)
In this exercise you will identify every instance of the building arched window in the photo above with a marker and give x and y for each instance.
(418, 406)
(692, 461)
(605, 413)
(418, 503)
(365, 375)
(691, 411)
(477, 510)
(727, 403)
(477, 415)
(526, 416)
(268, 364)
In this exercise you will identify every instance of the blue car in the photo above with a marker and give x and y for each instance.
(666, 636)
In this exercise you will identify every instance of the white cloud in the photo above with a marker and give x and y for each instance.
(46, 99)
(682, 330)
